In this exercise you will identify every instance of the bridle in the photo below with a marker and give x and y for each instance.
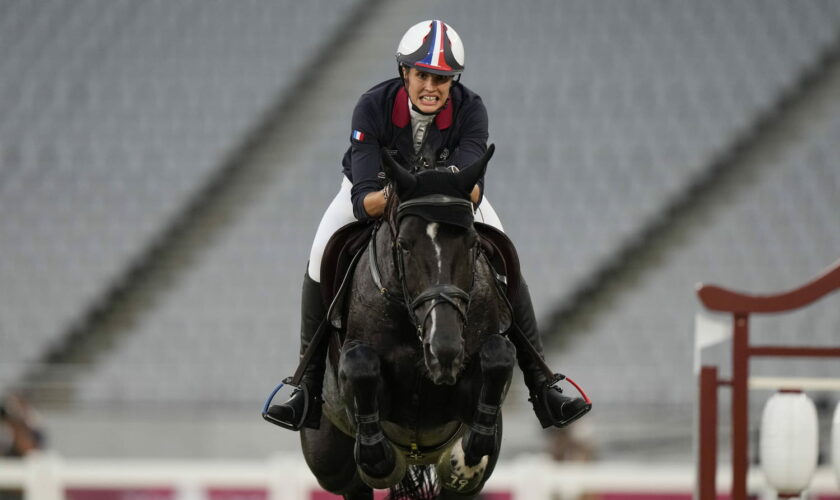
(447, 293)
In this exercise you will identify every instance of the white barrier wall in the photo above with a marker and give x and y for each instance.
(49, 477)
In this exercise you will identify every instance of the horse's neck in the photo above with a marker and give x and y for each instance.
(384, 242)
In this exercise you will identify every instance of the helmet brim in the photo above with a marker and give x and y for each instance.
(430, 69)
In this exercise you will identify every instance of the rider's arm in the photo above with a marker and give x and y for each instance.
(366, 194)
(476, 194)
(374, 203)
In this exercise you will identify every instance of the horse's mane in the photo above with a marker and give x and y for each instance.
(391, 204)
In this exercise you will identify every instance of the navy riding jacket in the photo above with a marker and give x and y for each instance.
(457, 136)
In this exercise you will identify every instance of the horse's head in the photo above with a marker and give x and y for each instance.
(436, 247)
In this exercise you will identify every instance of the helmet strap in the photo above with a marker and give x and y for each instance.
(424, 113)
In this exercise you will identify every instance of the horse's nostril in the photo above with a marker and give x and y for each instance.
(443, 364)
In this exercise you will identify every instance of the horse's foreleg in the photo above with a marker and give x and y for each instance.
(472, 458)
(379, 465)
(498, 357)
(328, 453)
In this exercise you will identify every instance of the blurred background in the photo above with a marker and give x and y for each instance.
(164, 166)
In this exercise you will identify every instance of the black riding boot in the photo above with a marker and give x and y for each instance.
(295, 412)
(550, 405)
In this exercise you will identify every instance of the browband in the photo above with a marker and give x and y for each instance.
(439, 208)
(435, 200)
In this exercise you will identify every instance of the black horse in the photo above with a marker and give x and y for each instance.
(423, 369)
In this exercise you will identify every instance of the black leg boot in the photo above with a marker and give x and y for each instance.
(303, 408)
(550, 405)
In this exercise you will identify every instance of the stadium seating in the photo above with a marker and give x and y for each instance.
(601, 115)
(602, 112)
(112, 115)
(768, 233)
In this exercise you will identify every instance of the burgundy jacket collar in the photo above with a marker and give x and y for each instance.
(401, 117)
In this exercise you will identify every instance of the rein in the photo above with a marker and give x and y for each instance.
(437, 294)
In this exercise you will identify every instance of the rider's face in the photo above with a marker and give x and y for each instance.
(427, 91)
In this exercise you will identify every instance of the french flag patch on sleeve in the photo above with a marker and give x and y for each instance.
(358, 136)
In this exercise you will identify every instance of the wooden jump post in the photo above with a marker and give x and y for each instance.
(741, 305)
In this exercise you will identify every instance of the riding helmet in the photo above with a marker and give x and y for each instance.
(432, 46)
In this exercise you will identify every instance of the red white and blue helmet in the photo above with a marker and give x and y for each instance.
(432, 46)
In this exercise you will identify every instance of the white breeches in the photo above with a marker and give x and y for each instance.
(340, 213)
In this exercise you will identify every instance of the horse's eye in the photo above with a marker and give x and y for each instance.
(403, 245)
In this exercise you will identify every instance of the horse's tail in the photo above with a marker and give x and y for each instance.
(419, 483)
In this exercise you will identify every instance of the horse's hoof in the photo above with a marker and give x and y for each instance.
(456, 475)
(384, 473)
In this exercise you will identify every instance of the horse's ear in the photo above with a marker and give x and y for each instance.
(469, 176)
(403, 181)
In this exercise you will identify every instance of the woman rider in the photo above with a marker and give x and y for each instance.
(425, 118)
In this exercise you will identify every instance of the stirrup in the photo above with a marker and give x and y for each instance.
(552, 385)
(270, 418)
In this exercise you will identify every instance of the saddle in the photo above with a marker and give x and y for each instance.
(502, 256)
(337, 265)
(339, 255)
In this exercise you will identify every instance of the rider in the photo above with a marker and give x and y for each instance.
(425, 118)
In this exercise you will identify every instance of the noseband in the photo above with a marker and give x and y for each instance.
(436, 294)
